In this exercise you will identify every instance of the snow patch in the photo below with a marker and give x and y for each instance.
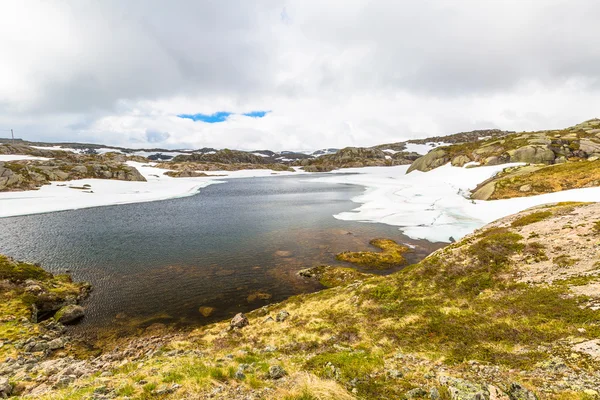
(434, 205)
(423, 149)
(14, 157)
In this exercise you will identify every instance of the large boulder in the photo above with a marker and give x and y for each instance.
(460, 161)
(69, 314)
(589, 147)
(435, 158)
(532, 154)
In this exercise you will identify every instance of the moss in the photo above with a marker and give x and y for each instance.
(531, 218)
(392, 255)
(21, 271)
(552, 178)
(564, 261)
(345, 365)
(535, 252)
(495, 247)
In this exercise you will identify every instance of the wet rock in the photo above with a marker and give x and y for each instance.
(276, 372)
(239, 321)
(258, 296)
(206, 311)
(518, 392)
(69, 314)
(282, 316)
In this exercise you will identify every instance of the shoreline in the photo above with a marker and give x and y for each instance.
(432, 206)
(64, 196)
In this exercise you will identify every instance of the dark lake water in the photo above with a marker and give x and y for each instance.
(160, 261)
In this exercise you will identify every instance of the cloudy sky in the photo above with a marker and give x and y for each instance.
(293, 74)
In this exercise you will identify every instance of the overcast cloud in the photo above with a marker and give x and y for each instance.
(331, 73)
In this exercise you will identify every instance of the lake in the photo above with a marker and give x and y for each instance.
(234, 246)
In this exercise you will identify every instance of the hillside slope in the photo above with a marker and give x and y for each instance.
(579, 142)
(509, 312)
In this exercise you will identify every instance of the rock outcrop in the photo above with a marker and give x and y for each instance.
(579, 142)
(356, 157)
(31, 174)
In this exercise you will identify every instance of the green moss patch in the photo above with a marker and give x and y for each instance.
(392, 255)
(531, 218)
(20, 271)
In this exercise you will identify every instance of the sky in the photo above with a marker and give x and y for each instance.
(293, 74)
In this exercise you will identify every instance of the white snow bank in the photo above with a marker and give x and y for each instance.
(13, 157)
(60, 196)
(423, 149)
(433, 205)
(57, 148)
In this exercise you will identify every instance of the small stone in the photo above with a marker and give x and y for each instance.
(394, 374)
(518, 392)
(56, 344)
(239, 375)
(239, 321)
(415, 393)
(282, 316)
(525, 188)
(276, 372)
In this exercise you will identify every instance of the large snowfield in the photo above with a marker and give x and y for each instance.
(434, 205)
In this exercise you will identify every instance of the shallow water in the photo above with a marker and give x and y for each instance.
(160, 261)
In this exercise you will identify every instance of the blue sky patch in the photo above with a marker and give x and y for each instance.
(256, 114)
(220, 116)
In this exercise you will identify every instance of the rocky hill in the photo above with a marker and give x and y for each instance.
(62, 166)
(356, 157)
(510, 312)
(580, 142)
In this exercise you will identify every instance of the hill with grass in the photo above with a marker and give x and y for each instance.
(511, 311)
(579, 142)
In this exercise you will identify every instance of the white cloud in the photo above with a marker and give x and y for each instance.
(333, 73)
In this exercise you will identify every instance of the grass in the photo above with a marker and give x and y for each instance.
(392, 255)
(531, 218)
(553, 178)
(20, 271)
(460, 304)
(564, 261)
